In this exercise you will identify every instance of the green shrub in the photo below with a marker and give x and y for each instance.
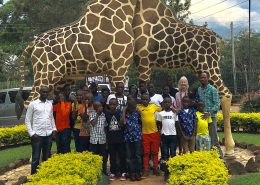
(200, 168)
(252, 105)
(72, 168)
(249, 122)
(13, 135)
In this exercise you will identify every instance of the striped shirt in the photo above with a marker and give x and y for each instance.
(97, 132)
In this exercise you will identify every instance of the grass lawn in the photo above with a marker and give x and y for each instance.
(22, 152)
(244, 137)
(248, 179)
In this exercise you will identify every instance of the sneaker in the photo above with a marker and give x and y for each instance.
(156, 172)
(138, 177)
(132, 177)
(146, 173)
(123, 177)
(112, 177)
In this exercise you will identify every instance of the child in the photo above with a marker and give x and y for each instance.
(131, 119)
(188, 121)
(202, 129)
(115, 141)
(97, 132)
(77, 108)
(63, 109)
(84, 133)
(167, 118)
(151, 136)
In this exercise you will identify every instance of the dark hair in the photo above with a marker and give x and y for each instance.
(105, 89)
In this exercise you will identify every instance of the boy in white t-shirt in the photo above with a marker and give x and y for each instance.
(168, 120)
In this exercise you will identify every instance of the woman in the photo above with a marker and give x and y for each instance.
(183, 86)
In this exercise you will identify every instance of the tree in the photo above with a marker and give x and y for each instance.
(180, 7)
(243, 65)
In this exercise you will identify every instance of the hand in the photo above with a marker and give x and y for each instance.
(35, 137)
(99, 110)
(205, 115)
(53, 135)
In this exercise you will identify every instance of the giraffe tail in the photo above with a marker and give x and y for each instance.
(24, 55)
(19, 102)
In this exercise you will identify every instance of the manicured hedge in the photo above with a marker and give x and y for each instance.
(246, 122)
(200, 168)
(72, 168)
(14, 135)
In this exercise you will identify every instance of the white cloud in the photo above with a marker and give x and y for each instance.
(238, 14)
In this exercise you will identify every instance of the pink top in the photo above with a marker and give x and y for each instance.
(178, 97)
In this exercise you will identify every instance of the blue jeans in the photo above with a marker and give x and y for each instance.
(77, 139)
(133, 156)
(169, 146)
(41, 144)
(200, 140)
(63, 141)
(214, 136)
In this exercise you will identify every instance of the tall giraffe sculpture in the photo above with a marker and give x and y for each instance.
(101, 41)
(162, 41)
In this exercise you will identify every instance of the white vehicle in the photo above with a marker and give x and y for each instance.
(7, 106)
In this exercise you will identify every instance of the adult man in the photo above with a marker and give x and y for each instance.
(209, 95)
(172, 89)
(41, 127)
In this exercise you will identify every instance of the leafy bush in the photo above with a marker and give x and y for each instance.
(200, 168)
(249, 122)
(13, 135)
(72, 168)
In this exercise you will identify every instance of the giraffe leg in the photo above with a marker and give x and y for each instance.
(226, 97)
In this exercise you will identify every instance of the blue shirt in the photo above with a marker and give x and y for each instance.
(187, 121)
(133, 129)
(210, 97)
(98, 97)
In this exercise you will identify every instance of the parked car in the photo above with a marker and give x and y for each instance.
(7, 106)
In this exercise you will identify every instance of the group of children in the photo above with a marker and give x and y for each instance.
(131, 131)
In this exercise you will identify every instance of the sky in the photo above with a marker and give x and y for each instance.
(219, 14)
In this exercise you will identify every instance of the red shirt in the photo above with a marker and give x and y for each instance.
(62, 110)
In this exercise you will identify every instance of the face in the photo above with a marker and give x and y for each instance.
(112, 104)
(61, 96)
(167, 102)
(203, 78)
(97, 106)
(142, 88)
(79, 95)
(85, 89)
(133, 90)
(166, 90)
(184, 85)
(105, 94)
(151, 88)
(200, 106)
(145, 99)
(44, 92)
(120, 88)
(186, 103)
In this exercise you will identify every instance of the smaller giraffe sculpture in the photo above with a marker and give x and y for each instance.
(101, 41)
(161, 41)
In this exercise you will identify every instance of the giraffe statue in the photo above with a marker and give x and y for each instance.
(162, 41)
(100, 42)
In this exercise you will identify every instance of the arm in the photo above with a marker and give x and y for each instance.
(28, 120)
(216, 101)
(123, 118)
(94, 119)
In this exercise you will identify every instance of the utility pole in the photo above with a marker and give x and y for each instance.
(233, 59)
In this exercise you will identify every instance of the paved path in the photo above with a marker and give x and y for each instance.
(12, 176)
